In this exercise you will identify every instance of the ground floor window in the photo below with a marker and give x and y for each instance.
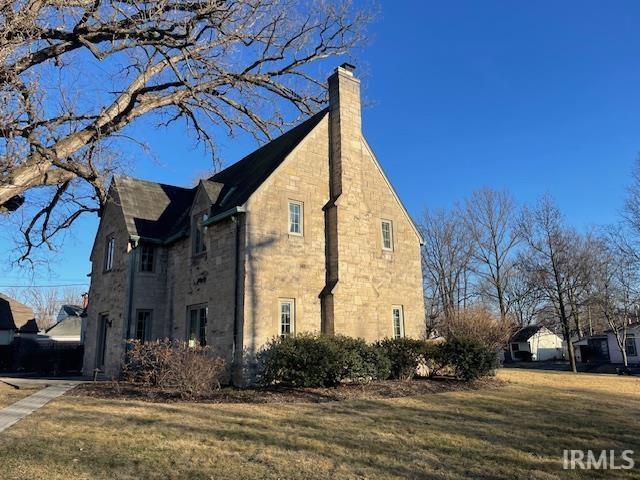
(630, 345)
(515, 347)
(143, 325)
(198, 325)
(398, 321)
(287, 316)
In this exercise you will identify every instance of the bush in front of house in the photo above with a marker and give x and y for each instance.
(191, 372)
(404, 354)
(308, 360)
(469, 357)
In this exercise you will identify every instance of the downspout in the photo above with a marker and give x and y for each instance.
(133, 241)
(236, 294)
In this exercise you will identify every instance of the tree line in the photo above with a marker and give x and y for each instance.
(528, 265)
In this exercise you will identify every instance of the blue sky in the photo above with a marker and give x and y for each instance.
(530, 96)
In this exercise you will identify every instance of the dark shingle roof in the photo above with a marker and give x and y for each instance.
(525, 333)
(160, 212)
(150, 209)
(242, 178)
(72, 310)
(6, 318)
(30, 327)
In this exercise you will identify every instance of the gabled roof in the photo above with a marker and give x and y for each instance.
(67, 327)
(152, 210)
(525, 333)
(72, 310)
(242, 178)
(19, 313)
(155, 211)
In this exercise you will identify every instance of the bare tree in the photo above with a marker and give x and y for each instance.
(47, 301)
(447, 257)
(523, 296)
(207, 63)
(490, 220)
(617, 289)
(549, 257)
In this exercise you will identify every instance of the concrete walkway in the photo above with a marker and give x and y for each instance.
(16, 412)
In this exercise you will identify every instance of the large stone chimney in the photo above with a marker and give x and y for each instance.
(345, 125)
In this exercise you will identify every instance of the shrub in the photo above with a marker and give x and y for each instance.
(308, 360)
(404, 354)
(478, 323)
(192, 372)
(469, 357)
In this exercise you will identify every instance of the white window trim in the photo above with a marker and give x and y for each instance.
(301, 220)
(109, 254)
(390, 222)
(292, 312)
(400, 308)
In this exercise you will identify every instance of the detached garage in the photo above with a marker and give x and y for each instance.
(536, 343)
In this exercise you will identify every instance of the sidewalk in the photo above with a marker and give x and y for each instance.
(16, 412)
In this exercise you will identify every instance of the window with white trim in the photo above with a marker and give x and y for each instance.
(295, 217)
(109, 250)
(387, 234)
(287, 314)
(147, 253)
(398, 321)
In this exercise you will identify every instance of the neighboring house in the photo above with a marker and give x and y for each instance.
(13, 316)
(69, 326)
(603, 348)
(537, 343)
(306, 234)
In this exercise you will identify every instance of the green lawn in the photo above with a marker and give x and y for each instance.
(517, 431)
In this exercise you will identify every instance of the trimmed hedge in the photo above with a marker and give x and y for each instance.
(469, 357)
(405, 355)
(308, 360)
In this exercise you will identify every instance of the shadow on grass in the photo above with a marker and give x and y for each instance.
(515, 432)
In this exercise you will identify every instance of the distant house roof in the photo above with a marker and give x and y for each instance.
(18, 313)
(30, 327)
(6, 318)
(525, 333)
(67, 327)
(159, 212)
(72, 310)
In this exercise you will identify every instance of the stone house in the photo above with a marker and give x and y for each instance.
(306, 234)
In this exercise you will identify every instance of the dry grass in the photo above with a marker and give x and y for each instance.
(9, 395)
(517, 431)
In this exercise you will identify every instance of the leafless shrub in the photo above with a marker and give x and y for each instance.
(172, 366)
(481, 324)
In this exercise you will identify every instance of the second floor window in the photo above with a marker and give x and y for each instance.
(295, 218)
(109, 250)
(199, 245)
(387, 235)
(147, 253)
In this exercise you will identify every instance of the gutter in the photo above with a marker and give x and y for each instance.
(236, 304)
(227, 213)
